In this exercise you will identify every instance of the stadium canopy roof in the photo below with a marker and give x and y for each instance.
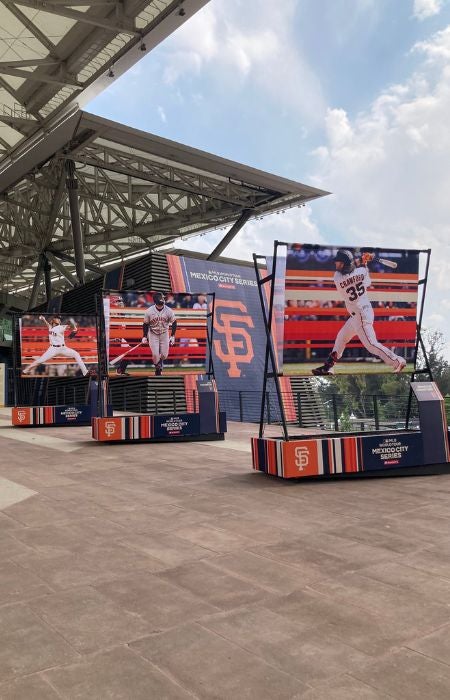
(136, 192)
(56, 55)
(78, 192)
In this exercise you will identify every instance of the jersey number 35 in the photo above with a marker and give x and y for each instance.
(356, 291)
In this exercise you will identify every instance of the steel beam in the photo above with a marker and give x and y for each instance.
(63, 256)
(47, 278)
(57, 264)
(36, 284)
(125, 27)
(226, 240)
(77, 234)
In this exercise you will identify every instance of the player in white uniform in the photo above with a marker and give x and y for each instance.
(57, 346)
(352, 284)
(157, 321)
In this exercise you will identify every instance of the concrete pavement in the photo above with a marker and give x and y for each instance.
(174, 571)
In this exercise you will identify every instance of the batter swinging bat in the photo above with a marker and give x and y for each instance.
(117, 359)
(387, 263)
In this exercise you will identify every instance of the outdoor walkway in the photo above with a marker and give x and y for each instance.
(173, 571)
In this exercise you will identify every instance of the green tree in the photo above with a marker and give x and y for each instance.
(434, 342)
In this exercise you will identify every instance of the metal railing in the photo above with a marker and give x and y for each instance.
(304, 409)
(350, 413)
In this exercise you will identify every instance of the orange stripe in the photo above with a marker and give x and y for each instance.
(176, 274)
(409, 276)
(351, 464)
(49, 414)
(190, 384)
(273, 458)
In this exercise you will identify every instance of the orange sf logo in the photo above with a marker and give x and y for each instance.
(236, 346)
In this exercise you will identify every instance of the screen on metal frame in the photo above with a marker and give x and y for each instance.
(357, 305)
(136, 351)
(57, 345)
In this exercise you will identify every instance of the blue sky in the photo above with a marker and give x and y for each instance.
(352, 96)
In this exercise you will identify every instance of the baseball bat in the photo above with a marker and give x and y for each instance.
(387, 263)
(117, 359)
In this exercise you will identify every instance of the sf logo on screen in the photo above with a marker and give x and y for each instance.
(301, 457)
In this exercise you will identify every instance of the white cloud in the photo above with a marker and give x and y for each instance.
(437, 48)
(247, 45)
(427, 8)
(389, 171)
(162, 114)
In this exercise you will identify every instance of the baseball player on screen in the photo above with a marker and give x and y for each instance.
(352, 281)
(157, 320)
(57, 345)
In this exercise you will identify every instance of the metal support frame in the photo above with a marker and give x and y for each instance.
(70, 259)
(47, 278)
(36, 284)
(234, 230)
(102, 347)
(270, 352)
(57, 264)
(419, 340)
(102, 354)
(77, 235)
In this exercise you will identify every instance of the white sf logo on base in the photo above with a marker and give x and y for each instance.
(110, 428)
(21, 415)
(301, 458)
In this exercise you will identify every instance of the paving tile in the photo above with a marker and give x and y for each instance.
(260, 571)
(117, 674)
(406, 578)
(383, 537)
(407, 675)
(16, 584)
(68, 538)
(364, 630)
(212, 585)
(160, 518)
(308, 654)
(32, 687)
(159, 602)
(254, 526)
(436, 645)
(88, 620)
(28, 644)
(312, 564)
(432, 561)
(166, 547)
(10, 546)
(390, 602)
(212, 667)
(215, 539)
(91, 565)
(37, 511)
(343, 687)
(7, 524)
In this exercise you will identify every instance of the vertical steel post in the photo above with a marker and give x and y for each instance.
(77, 235)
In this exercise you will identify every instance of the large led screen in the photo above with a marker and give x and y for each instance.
(148, 338)
(57, 345)
(349, 310)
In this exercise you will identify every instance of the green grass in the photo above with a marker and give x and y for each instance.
(305, 368)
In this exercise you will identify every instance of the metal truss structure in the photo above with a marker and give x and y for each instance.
(125, 192)
(79, 194)
(56, 55)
